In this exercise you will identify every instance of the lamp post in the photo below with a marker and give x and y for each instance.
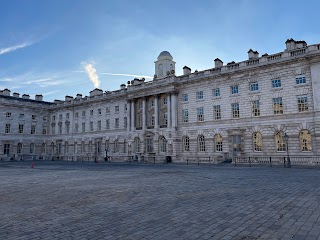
(286, 138)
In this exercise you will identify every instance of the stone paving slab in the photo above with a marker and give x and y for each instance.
(57, 200)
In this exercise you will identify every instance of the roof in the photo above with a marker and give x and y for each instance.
(164, 54)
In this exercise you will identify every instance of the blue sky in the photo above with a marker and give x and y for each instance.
(45, 45)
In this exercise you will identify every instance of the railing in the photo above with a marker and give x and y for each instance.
(274, 57)
(233, 66)
(252, 62)
(297, 52)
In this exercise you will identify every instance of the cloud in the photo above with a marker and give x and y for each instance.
(13, 48)
(120, 74)
(92, 73)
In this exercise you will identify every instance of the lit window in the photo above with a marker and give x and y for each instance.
(185, 115)
(200, 114)
(218, 142)
(254, 87)
(276, 83)
(280, 143)
(199, 95)
(235, 110)
(302, 103)
(255, 108)
(300, 80)
(216, 92)
(186, 144)
(305, 141)
(234, 89)
(257, 141)
(277, 105)
(201, 144)
(216, 112)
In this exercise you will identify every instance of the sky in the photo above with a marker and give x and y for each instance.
(58, 48)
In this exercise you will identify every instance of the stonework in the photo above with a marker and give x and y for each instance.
(233, 110)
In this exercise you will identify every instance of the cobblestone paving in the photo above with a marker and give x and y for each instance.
(122, 201)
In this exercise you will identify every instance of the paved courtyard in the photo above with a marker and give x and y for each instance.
(123, 201)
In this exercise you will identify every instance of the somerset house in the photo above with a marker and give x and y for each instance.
(230, 110)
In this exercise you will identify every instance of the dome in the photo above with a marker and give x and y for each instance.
(165, 54)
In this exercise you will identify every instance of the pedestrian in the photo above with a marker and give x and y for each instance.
(106, 155)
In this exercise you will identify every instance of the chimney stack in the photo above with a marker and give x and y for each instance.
(16, 95)
(186, 70)
(79, 96)
(218, 63)
(39, 97)
(68, 98)
(6, 92)
(252, 54)
(25, 96)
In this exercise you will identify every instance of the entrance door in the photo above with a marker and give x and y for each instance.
(236, 143)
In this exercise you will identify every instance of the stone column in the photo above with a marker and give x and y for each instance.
(174, 110)
(144, 113)
(128, 115)
(132, 115)
(156, 112)
(169, 110)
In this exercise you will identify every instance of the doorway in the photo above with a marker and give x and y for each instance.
(236, 145)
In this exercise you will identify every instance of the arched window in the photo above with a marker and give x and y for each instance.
(280, 142)
(116, 145)
(32, 146)
(186, 144)
(162, 144)
(83, 147)
(75, 147)
(136, 144)
(52, 148)
(19, 148)
(257, 141)
(305, 141)
(218, 142)
(43, 148)
(66, 148)
(201, 144)
(107, 145)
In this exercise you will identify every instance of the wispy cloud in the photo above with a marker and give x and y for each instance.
(14, 48)
(92, 73)
(120, 74)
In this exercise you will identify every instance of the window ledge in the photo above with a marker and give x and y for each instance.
(277, 88)
(199, 100)
(255, 92)
(302, 85)
(235, 95)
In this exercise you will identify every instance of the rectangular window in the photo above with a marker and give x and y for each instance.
(234, 89)
(99, 111)
(45, 118)
(76, 127)
(199, 95)
(33, 117)
(83, 113)
(91, 126)
(107, 110)
(116, 125)
(67, 128)
(126, 108)
(200, 114)
(185, 97)
(91, 112)
(216, 92)
(60, 128)
(152, 120)
(276, 83)
(165, 100)
(216, 112)
(21, 115)
(33, 129)
(116, 108)
(108, 124)
(300, 80)
(53, 118)
(83, 127)
(60, 117)
(67, 115)
(44, 131)
(6, 148)
(235, 110)
(165, 118)
(77, 114)
(255, 108)
(99, 125)
(125, 122)
(185, 115)
(21, 128)
(8, 128)
(303, 103)
(254, 87)
(8, 114)
(277, 105)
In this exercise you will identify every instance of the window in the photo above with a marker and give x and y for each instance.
(91, 126)
(108, 124)
(43, 148)
(162, 144)
(186, 144)
(126, 108)
(19, 148)
(83, 147)
(21, 115)
(116, 125)
(32, 148)
(75, 148)
(99, 125)
(280, 143)
(90, 147)
(8, 128)
(165, 100)
(255, 108)
(216, 92)
(277, 105)
(305, 141)
(125, 123)
(152, 120)
(83, 127)
(235, 110)
(33, 117)
(276, 83)
(254, 87)
(60, 128)
(140, 105)
(116, 108)
(149, 145)
(91, 112)
(53, 118)
(257, 141)
(300, 80)
(200, 114)
(199, 95)
(107, 110)
(234, 89)
(185, 115)
(53, 128)
(21, 128)
(302, 103)
(60, 116)
(77, 114)
(6, 148)
(76, 127)
(44, 130)
(201, 144)
(136, 144)
(151, 103)
(83, 113)
(66, 148)
(33, 129)
(99, 111)
(45, 118)
(116, 146)
(67, 127)
(67, 115)
(165, 118)
(185, 97)
(8, 114)
(216, 112)
(218, 142)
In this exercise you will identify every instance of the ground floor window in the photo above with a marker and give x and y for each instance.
(218, 142)
(136, 144)
(257, 141)
(6, 148)
(280, 142)
(149, 145)
(186, 144)
(162, 144)
(19, 148)
(305, 141)
(201, 144)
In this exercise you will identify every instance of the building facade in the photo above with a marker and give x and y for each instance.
(233, 109)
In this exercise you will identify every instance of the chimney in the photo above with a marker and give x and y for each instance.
(123, 86)
(79, 96)
(38, 97)
(6, 92)
(186, 70)
(25, 96)
(252, 54)
(68, 98)
(218, 63)
(96, 92)
(290, 44)
(16, 95)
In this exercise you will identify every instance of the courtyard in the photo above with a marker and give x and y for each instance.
(69, 200)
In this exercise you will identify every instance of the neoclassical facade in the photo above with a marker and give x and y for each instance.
(233, 109)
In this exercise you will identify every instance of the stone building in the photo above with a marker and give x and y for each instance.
(233, 109)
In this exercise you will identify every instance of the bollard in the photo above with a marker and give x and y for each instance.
(284, 162)
(187, 161)
(249, 162)
(270, 162)
(154, 160)
(235, 162)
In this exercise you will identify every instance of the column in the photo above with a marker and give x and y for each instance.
(144, 113)
(156, 112)
(174, 110)
(132, 115)
(169, 110)
(128, 115)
